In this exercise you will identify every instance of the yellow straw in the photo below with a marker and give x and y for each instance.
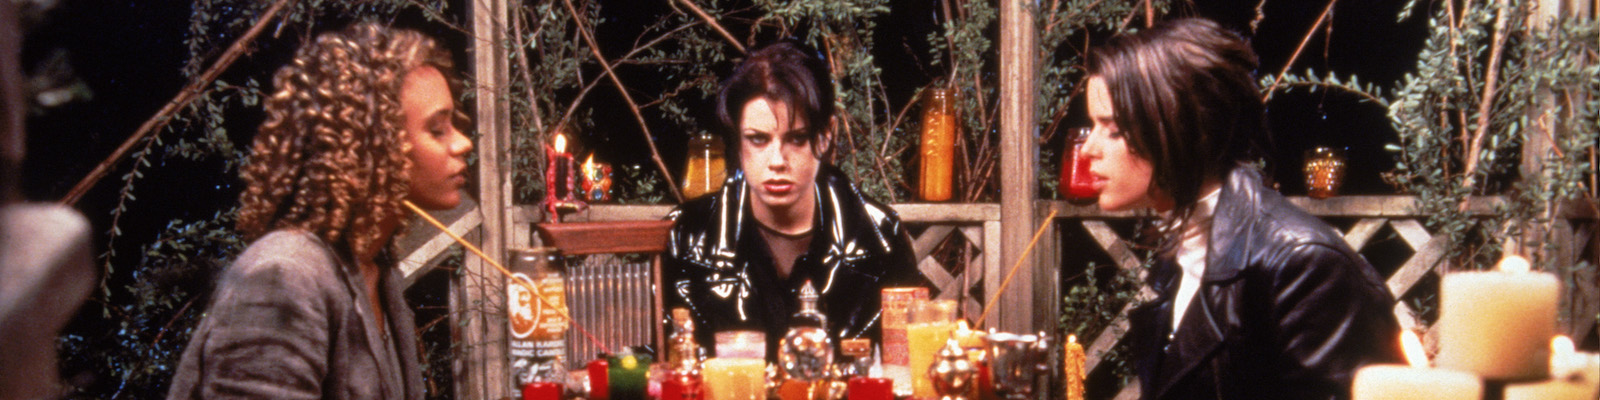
(1007, 282)
(506, 272)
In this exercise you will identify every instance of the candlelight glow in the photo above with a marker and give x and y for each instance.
(588, 165)
(1514, 264)
(1072, 338)
(1561, 346)
(1413, 349)
(561, 143)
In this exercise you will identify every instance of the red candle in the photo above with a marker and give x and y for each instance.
(541, 391)
(680, 386)
(599, 387)
(864, 388)
(1076, 181)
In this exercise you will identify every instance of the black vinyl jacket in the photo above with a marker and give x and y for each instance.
(720, 268)
(1286, 309)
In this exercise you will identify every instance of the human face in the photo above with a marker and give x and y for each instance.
(436, 148)
(778, 159)
(1121, 177)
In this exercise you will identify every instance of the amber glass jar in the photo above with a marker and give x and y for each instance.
(1324, 172)
(706, 169)
(938, 148)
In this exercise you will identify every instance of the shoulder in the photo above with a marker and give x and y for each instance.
(284, 262)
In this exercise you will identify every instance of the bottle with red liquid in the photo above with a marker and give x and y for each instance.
(1077, 184)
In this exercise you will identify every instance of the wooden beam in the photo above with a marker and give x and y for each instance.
(414, 265)
(1019, 158)
(480, 365)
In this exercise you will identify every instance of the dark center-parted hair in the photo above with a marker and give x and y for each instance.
(330, 157)
(786, 71)
(1185, 99)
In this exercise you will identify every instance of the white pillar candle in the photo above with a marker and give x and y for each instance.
(1573, 376)
(1498, 324)
(1397, 382)
(1414, 382)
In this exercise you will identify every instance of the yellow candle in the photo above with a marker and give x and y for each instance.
(1498, 324)
(1074, 361)
(926, 339)
(735, 378)
(1414, 382)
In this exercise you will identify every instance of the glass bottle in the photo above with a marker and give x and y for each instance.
(706, 167)
(806, 352)
(684, 382)
(938, 145)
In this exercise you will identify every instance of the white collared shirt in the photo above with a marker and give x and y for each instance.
(1192, 255)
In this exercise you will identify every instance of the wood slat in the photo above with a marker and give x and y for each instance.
(929, 239)
(1417, 267)
(411, 267)
(579, 238)
(1412, 232)
(1112, 244)
(1359, 234)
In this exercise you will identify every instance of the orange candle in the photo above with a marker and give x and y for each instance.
(1074, 359)
(938, 145)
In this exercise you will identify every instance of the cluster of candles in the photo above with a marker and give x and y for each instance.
(1497, 339)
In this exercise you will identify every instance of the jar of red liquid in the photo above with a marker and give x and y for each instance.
(1077, 184)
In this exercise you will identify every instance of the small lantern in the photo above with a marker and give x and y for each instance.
(1324, 168)
(596, 180)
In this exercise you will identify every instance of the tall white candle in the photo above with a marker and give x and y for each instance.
(1498, 324)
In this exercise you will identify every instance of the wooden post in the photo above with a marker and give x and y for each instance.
(1019, 158)
(480, 364)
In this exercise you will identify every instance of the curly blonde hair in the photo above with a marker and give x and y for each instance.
(330, 155)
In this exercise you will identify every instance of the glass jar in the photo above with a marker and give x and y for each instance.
(536, 308)
(1324, 168)
(938, 146)
(706, 167)
(1077, 184)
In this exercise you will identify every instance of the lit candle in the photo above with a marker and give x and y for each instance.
(896, 313)
(929, 329)
(1414, 382)
(735, 378)
(1574, 376)
(1074, 359)
(560, 171)
(1498, 324)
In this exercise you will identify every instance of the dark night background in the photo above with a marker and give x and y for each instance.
(130, 52)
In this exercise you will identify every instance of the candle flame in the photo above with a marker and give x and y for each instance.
(588, 165)
(1072, 338)
(561, 143)
(1514, 264)
(1413, 349)
(1561, 346)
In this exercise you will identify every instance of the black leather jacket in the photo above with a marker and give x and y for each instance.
(1286, 309)
(719, 267)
